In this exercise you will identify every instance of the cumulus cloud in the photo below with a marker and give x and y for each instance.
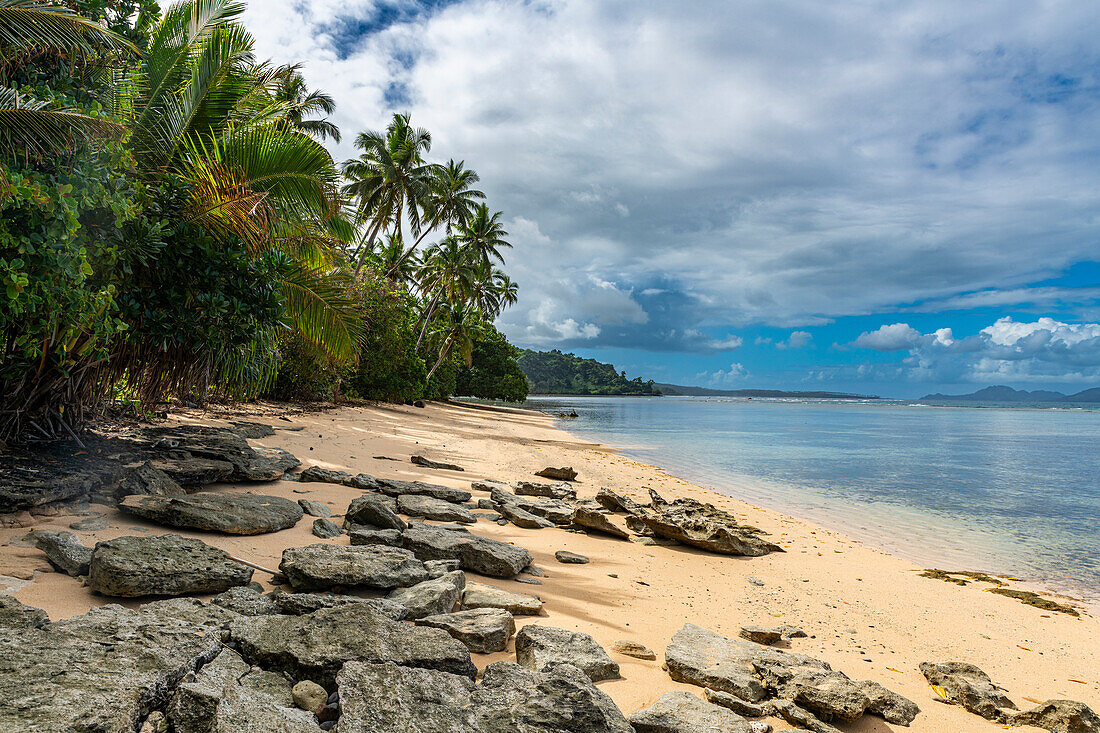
(796, 340)
(735, 373)
(895, 337)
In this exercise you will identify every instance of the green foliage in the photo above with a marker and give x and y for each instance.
(305, 372)
(552, 372)
(494, 373)
(389, 367)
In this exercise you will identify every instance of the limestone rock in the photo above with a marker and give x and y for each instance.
(1058, 716)
(309, 695)
(299, 604)
(889, 705)
(483, 630)
(795, 715)
(706, 527)
(429, 507)
(317, 474)
(387, 537)
(431, 597)
(314, 508)
(540, 646)
(770, 634)
(241, 710)
(148, 480)
(231, 513)
(395, 487)
(165, 565)
(550, 491)
(614, 502)
(736, 704)
(477, 554)
(488, 596)
(320, 567)
(967, 685)
(64, 551)
(268, 464)
(387, 697)
(591, 519)
(522, 518)
(429, 463)
(246, 601)
(373, 510)
(16, 615)
(634, 649)
(439, 568)
(570, 558)
(682, 712)
(326, 529)
(315, 646)
(565, 473)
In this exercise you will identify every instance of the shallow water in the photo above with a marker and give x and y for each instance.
(1003, 489)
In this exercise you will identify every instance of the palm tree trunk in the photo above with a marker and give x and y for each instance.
(428, 317)
(410, 250)
(371, 234)
(442, 355)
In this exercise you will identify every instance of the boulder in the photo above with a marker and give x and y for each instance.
(317, 645)
(299, 604)
(64, 551)
(482, 630)
(326, 529)
(387, 537)
(550, 491)
(192, 473)
(1058, 716)
(247, 601)
(431, 597)
(540, 646)
(429, 463)
(682, 712)
(373, 510)
(477, 554)
(315, 508)
(522, 518)
(103, 671)
(488, 596)
(565, 473)
(317, 474)
(230, 513)
(148, 480)
(634, 649)
(387, 697)
(613, 502)
(395, 487)
(320, 567)
(570, 558)
(15, 615)
(268, 464)
(428, 507)
(439, 568)
(242, 710)
(770, 634)
(702, 525)
(597, 521)
(967, 685)
(165, 565)
(889, 705)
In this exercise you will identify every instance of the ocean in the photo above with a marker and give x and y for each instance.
(1004, 489)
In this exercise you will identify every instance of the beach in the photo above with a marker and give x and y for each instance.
(866, 612)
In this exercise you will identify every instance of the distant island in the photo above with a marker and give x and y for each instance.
(552, 372)
(1001, 393)
(679, 389)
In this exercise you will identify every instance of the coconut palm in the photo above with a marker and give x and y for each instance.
(447, 275)
(459, 327)
(290, 90)
(484, 235)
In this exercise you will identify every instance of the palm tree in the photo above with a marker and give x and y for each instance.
(290, 90)
(459, 328)
(448, 274)
(390, 177)
(483, 234)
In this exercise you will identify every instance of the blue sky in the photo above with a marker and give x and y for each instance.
(889, 197)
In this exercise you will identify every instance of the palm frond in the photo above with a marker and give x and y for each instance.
(38, 24)
(318, 303)
(33, 128)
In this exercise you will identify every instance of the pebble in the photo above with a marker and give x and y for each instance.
(570, 558)
(753, 580)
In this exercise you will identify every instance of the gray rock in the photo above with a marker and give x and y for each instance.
(596, 521)
(429, 507)
(613, 502)
(326, 529)
(386, 537)
(483, 630)
(570, 558)
(634, 649)
(736, 704)
(192, 611)
(550, 491)
(396, 699)
(395, 487)
(193, 473)
(91, 524)
(431, 597)
(889, 705)
(477, 554)
(246, 601)
(967, 685)
(704, 526)
(682, 712)
(104, 671)
(230, 513)
(320, 567)
(769, 634)
(315, 508)
(540, 646)
(522, 518)
(165, 565)
(248, 429)
(317, 474)
(309, 695)
(223, 445)
(16, 615)
(64, 551)
(268, 464)
(795, 715)
(553, 510)
(241, 710)
(439, 568)
(429, 463)
(701, 657)
(317, 645)
(487, 485)
(299, 604)
(487, 504)
(488, 596)
(1058, 716)
(565, 473)
(374, 510)
(148, 480)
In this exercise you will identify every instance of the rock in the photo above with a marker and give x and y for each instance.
(570, 558)
(532, 570)
(428, 463)
(103, 671)
(15, 615)
(1058, 716)
(317, 645)
(230, 513)
(326, 529)
(194, 611)
(247, 429)
(165, 565)
(540, 646)
(269, 464)
(387, 537)
(246, 601)
(736, 704)
(435, 509)
(550, 491)
(91, 524)
(223, 445)
(64, 551)
(633, 649)
(795, 715)
(682, 712)
(477, 554)
(320, 567)
(431, 597)
(613, 502)
(706, 527)
(482, 630)
(439, 568)
(769, 634)
(487, 504)
(387, 697)
(148, 480)
(299, 604)
(155, 723)
(522, 518)
(967, 685)
(314, 508)
(488, 596)
(373, 510)
(394, 487)
(591, 519)
(309, 695)
(565, 473)
(528, 581)
(889, 705)
(317, 474)
(193, 473)
(701, 657)
(487, 485)
(241, 710)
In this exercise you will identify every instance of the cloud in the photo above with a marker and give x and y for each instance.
(735, 373)
(796, 340)
(729, 343)
(895, 337)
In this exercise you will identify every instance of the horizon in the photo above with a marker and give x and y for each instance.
(839, 198)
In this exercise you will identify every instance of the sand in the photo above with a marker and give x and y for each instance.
(868, 613)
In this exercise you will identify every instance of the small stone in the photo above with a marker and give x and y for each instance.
(753, 580)
(437, 510)
(634, 649)
(309, 695)
(429, 463)
(570, 558)
(528, 581)
(374, 510)
(91, 524)
(314, 508)
(565, 473)
(431, 597)
(326, 528)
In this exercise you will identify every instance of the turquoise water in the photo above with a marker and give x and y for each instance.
(1001, 489)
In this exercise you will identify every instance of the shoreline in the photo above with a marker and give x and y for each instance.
(868, 613)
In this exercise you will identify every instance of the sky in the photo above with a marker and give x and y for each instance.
(863, 195)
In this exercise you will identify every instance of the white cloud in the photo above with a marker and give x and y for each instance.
(735, 373)
(729, 343)
(796, 340)
(895, 337)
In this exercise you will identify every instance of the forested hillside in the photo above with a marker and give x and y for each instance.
(552, 372)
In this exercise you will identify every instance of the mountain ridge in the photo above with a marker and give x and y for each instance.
(1003, 393)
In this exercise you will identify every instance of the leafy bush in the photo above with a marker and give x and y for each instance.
(304, 372)
(389, 367)
(494, 373)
